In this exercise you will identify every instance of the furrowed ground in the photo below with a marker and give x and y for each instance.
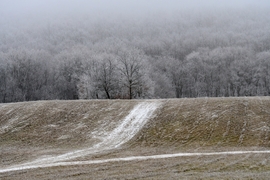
(34, 130)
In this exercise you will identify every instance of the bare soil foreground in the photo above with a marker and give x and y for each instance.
(203, 138)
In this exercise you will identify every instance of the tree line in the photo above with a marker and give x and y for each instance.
(182, 54)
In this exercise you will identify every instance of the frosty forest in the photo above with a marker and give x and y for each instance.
(208, 52)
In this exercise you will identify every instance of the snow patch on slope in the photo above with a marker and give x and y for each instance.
(131, 158)
(126, 130)
(8, 125)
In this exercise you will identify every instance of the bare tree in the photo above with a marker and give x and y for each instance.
(130, 68)
(108, 77)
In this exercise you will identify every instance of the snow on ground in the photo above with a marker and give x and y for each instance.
(123, 132)
(130, 158)
(127, 129)
(9, 125)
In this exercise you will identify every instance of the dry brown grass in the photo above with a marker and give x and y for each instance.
(54, 127)
(201, 167)
(209, 122)
(180, 125)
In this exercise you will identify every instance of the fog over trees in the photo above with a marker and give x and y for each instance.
(133, 49)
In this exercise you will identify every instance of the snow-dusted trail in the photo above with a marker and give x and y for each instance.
(127, 129)
(131, 158)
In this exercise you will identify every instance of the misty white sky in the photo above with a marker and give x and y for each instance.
(18, 7)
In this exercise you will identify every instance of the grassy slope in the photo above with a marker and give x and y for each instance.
(178, 123)
(52, 127)
(202, 124)
(58, 122)
(209, 122)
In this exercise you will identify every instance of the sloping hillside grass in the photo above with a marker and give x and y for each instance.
(59, 123)
(178, 122)
(33, 130)
(209, 122)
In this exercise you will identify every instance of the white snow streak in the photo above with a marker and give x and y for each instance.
(131, 158)
(129, 127)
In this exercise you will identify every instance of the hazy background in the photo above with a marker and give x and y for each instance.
(70, 49)
(19, 7)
